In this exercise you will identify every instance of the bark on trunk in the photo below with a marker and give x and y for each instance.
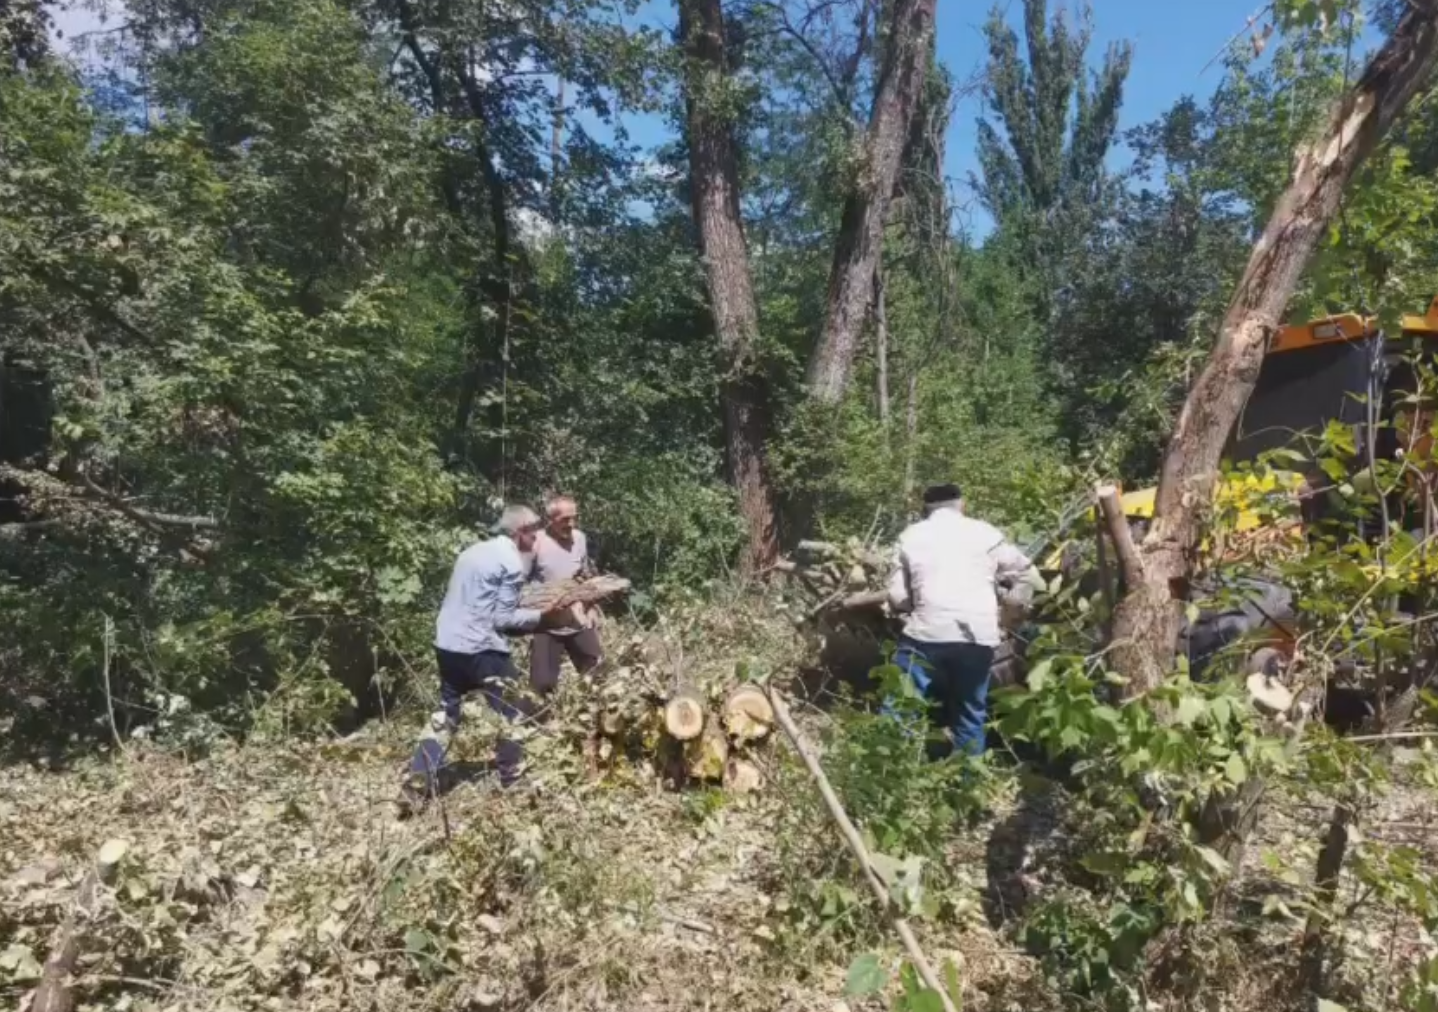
(881, 337)
(911, 435)
(1147, 622)
(861, 230)
(714, 186)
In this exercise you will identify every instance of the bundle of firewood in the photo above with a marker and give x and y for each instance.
(542, 596)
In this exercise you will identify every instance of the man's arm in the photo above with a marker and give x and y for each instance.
(900, 598)
(1012, 562)
(586, 563)
(496, 589)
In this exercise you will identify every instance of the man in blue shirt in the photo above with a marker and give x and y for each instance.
(481, 605)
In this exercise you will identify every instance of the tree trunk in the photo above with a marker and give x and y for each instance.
(714, 186)
(861, 230)
(1148, 618)
(881, 338)
(911, 434)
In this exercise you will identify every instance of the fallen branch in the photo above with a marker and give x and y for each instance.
(860, 852)
(55, 993)
(149, 518)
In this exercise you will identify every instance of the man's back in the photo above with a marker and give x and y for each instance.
(948, 569)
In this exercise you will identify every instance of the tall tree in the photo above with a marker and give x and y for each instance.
(907, 57)
(1146, 623)
(714, 191)
(24, 32)
(1058, 121)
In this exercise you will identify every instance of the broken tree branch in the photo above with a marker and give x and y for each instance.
(856, 846)
(148, 518)
(1130, 566)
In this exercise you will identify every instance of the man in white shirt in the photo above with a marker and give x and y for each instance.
(946, 578)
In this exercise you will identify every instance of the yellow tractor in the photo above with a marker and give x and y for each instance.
(1338, 369)
(1341, 369)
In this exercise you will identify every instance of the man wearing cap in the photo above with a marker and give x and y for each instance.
(561, 552)
(481, 605)
(946, 578)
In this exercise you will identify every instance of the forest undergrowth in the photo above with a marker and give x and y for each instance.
(274, 874)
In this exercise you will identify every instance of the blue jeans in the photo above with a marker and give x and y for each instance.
(954, 678)
(460, 674)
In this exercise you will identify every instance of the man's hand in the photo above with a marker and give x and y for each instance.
(559, 615)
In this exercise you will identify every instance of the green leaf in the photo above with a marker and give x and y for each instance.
(1236, 770)
(416, 940)
(927, 1000)
(1039, 674)
(1214, 860)
(1190, 708)
(865, 977)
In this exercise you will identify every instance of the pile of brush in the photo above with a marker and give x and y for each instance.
(830, 578)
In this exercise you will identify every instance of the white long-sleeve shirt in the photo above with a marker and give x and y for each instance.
(946, 576)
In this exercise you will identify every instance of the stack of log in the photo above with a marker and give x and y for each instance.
(648, 705)
(832, 578)
(717, 740)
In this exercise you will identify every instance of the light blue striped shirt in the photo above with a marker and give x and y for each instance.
(482, 600)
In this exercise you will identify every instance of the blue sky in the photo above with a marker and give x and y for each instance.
(1174, 41)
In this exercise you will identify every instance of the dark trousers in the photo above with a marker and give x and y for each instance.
(954, 678)
(487, 673)
(546, 654)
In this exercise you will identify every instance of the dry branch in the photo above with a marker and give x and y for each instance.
(1130, 566)
(861, 853)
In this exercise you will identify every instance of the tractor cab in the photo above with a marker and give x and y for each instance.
(1341, 369)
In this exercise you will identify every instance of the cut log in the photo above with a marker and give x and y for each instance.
(543, 596)
(684, 715)
(741, 776)
(705, 756)
(54, 993)
(747, 713)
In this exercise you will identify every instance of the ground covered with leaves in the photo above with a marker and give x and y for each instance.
(277, 875)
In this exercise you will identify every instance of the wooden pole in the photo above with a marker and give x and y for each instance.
(860, 852)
